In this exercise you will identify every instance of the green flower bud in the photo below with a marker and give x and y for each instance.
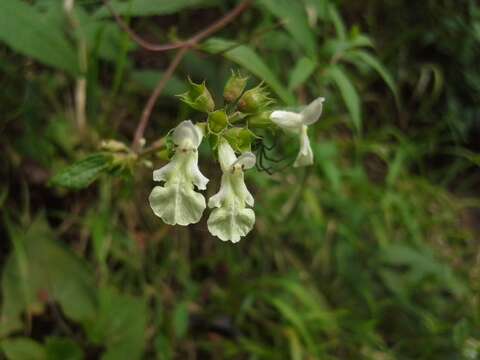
(260, 121)
(217, 121)
(234, 87)
(198, 97)
(254, 100)
(239, 138)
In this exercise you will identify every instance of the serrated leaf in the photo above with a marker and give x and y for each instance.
(375, 64)
(84, 172)
(295, 19)
(303, 69)
(349, 93)
(27, 31)
(249, 59)
(150, 7)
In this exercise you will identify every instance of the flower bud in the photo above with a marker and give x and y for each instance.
(234, 87)
(255, 99)
(217, 121)
(240, 139)
(198, 97)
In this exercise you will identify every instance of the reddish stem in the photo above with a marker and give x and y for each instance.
(191, 42)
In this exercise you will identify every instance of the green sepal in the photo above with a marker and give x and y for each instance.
(236, 117)
(240, 139)
(255, 100)
(234, 87)
(217, 121)
(260, 121)
(198, 97)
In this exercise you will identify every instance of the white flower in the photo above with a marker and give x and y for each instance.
(298, 123)
(231, 219)
(176, 202)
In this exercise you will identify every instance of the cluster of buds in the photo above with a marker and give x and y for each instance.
(230, 133)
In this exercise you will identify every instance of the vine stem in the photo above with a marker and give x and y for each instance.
(182, 48)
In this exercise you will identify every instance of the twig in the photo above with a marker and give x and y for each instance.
(191, 42)
(157, 145)
(138, 39)
(183, 48)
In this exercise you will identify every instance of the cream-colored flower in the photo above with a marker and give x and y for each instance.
(177, 202)
(231, 219)
(298, 123)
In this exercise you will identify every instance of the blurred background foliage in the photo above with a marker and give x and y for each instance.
(372, 253)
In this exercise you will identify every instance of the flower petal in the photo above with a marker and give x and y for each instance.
(192, 172)
(246, 160)
(305, 155)
(225, 190)
(312, 112)
(226, 156)
(287, 120)
(187, 134)
(163, 174)
(240, 190)
(231, 223)
(177, 203)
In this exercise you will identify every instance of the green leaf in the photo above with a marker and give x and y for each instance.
(291, 315)
(23, 349)
(294, 18)
(150, 7)
(39, 264)
(106, 39)
(303, 69)
(337, 21)
(150, 78)
(27, 31)
(180, 320)
(249, 59)
(119, 325)
(349, 94)
(84, 172)
(375, 64)
(63, 349)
